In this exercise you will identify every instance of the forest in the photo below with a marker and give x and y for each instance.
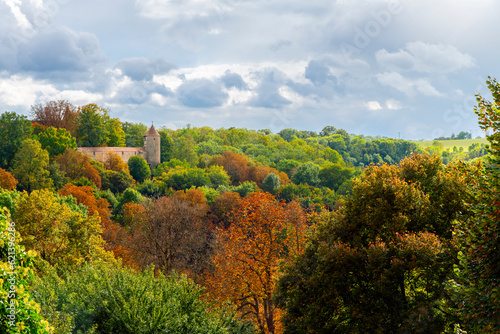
(244, 231)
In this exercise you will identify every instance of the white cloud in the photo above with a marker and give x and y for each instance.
(170, 9)
(425, 58)
(24, 91)
(407, 86)
(373, 105)
(392, 104)
(22, 20)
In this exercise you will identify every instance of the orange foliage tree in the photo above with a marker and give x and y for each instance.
(238, 168)
(7, 181)
(263, 233)
(115, 163)
(116, 237)
(77, 165)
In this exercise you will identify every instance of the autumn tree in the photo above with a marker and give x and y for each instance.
(85, 195)
(14, 129)
(77, 165)
(223, 207)
(236, 166)
(7, 181)
(116, 237)
(379, 264)
(115, 163)
(30, 166)
(61, 234)
(19, 313)
(58, 114)
(477, 288)
(171, 234)
(248, 253)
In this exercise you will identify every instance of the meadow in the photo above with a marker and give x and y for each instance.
(449, 144)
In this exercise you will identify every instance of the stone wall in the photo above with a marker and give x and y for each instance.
(100, 153)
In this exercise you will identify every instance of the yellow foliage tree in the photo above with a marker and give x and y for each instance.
(115, 163)
(60, 234)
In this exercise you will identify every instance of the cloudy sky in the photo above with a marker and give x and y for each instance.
(407, 68)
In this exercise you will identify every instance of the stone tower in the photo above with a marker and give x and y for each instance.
(152, 147)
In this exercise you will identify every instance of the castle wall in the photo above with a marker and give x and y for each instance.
(100, 153)
(150, 152)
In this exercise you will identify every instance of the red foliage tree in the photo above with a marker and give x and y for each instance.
(59, 114)
(249, 252)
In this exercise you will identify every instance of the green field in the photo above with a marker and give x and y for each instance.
(465, 143)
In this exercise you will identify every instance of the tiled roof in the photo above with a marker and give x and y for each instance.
(110, 149)
(152, 132)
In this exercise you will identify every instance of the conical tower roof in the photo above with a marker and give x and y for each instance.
(152, 132)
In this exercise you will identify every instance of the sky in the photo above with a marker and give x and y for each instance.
(405, 69)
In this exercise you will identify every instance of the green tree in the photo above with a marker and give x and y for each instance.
(109, 298)
(134, 134)
(477, 287)
(118, 181)
(91, 129)
(14, 129)
(287, 165)
(379, 264)
(271, 183)
(185, 149)
(218, 176)
(139, 168)
(116, 135)
(30, 166)
(181, 178)
(166, 146)
(55, 141)
(333, 175)
(306, 173)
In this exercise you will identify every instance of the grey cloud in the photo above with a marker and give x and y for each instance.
(268, 95)
(140, 92)
(60, 50)
(280, 45)
(201, 93)
(233, 80)
(139, 69)
(318, 73)
(188, 32)
(426, 58)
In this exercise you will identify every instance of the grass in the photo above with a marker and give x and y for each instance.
(465, 143)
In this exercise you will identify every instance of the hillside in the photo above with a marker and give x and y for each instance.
(449, 144)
